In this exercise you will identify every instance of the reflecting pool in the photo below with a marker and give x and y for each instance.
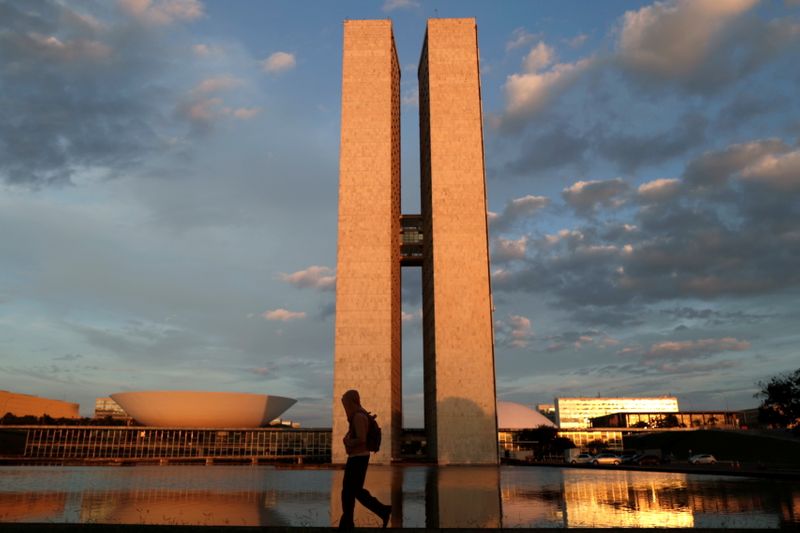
(422, 496)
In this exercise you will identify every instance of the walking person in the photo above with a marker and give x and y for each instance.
(355, 470)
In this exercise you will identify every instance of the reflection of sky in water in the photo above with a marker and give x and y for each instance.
(421, 497)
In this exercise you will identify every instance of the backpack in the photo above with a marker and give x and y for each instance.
(373, 433)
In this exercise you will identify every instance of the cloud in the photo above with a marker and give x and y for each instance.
(279, 62)
(519, 38)
(391, 5)
(517, 211)
(631, 151)
(659, 189)
(516, 331)
(315, 277)
(550, 149)
(56, 124)
(245, 113)
(217, 84)
(699, 45)
(578, 40)
(721, 230)
(675, 350)
(672, 39)
(586, 196)
(283, 315)
(162, 12)
(508, 249)
(715, 168)
(527, 93)
(779, 171)
(540, 57)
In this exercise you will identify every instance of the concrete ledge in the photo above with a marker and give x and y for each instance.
(135, 528)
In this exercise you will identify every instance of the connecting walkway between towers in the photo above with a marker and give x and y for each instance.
(411, 240)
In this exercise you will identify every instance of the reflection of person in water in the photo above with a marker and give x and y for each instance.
(355, 471)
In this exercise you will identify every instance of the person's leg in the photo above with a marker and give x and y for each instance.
(350, 485)
(365, 498)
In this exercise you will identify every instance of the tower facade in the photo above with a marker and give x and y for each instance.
(448, 240)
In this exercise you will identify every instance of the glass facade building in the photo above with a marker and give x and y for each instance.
(576, 413)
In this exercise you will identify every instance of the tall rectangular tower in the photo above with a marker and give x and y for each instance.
(458, 351)
(367, 350)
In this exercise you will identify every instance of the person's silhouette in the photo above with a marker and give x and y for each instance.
(355, 470)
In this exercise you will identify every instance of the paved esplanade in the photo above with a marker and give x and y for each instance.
(448, 240)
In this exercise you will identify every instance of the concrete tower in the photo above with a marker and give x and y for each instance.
(367, 350)
(448, 240)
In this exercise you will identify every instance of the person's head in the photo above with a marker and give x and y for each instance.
(351, 400)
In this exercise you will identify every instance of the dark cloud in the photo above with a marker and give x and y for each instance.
(517, 211)
(700, 47)
(585, 197)
(746, 107)
(713, 317)
(717, 234)
(81, 91)
(553, 148)
(630, 151)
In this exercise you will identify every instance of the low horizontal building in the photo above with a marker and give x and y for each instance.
(21, 405)
(576, 413)
(670, 420)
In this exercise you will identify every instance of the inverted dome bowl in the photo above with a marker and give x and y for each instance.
(199, 409)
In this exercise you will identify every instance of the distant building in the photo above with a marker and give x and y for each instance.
(106, 407)
(28, 405)
(576, 413)
(670, 420)
(548, 410)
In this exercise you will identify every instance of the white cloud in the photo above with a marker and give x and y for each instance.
(70, 50)
(283, 315)
(539, 57)
(217, 84)
(697, 348)
(207, 50)
(279, 62)
(519, 38)
(391, 5)
(586, 196)
(315, 277)
(527, 93)
(509, 249)
(162, 12)
(781, 171)
(516, 211)
(578, 40)
(660, 189)
(245, 113)
(521, 331)
(671, 39)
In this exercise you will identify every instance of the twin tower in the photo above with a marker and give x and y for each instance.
(448, 240)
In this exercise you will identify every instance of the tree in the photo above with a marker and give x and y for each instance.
(780, 404)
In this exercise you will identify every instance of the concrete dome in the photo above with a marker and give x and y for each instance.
(197, 409)
(512, 415)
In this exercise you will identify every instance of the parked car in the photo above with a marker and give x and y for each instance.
(646, 460)
(627, 458)
(606, 458)
(703, 459)
(582, 458)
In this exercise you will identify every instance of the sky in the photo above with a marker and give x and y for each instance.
(168, 196)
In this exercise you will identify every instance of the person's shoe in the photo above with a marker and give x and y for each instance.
(387, 512)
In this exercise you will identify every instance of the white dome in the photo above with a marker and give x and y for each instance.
(512, 415)
(202, 409)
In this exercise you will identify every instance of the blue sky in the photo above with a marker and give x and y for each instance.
(168, 195)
